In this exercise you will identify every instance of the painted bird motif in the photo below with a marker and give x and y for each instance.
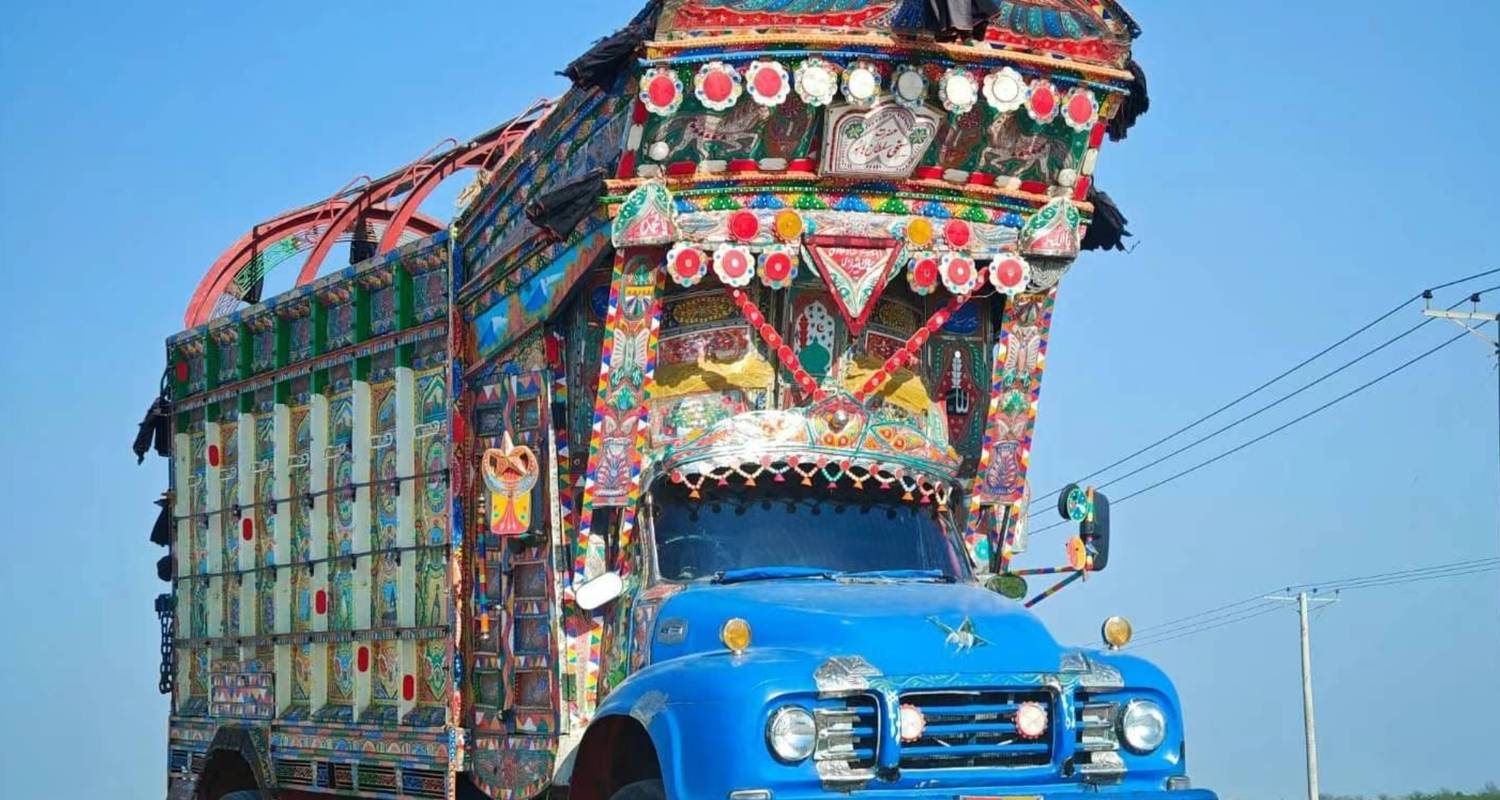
(962, 638)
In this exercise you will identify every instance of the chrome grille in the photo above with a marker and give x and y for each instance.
(976, 729)
(847, 734)
(1097, 758)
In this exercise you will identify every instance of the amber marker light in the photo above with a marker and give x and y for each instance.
(1116, 632)
(735, 635)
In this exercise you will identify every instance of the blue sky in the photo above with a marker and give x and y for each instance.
(1304, 167)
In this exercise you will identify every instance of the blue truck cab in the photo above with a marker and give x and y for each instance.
(816, 641)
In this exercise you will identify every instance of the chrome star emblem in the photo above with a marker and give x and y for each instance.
(962, 638)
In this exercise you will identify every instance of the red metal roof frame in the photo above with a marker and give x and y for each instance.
(337, 215)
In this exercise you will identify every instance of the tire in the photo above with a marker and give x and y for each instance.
(641, 790)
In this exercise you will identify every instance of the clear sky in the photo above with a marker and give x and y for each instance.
(1305, 166)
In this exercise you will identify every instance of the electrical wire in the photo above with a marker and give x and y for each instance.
(1299, 365)
(1335, 585)
(1434, 571)
(1251, 608)
(1278, 429)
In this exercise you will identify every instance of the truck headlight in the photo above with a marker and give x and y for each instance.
(792, 734)
(1143, 726)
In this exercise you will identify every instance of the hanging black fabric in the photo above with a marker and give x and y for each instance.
(959, 15)
(1137, 103)
(155, 429)
(1107, 231)
(603, 63)
(559, 211)
(161, 532)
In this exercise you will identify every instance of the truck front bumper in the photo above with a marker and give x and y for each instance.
(1059, 792)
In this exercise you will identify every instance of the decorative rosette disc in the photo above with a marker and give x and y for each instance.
(817, 81)
(958, 273)
(1005, 89)
(744, 226)
(778, 266)
(788, 225)
(686, 264)
(909, 85)
(862, 84)
(922, 273)
(767, 82)
(1009, 274)
(734, 265)
(1080, 110)
(1042, 101)
(958, 90)
(717, 86)
(957, 233)
(919, 232)
(661, 91)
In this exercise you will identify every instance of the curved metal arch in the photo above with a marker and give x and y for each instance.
(336, 215)
(309, 218)
(417, 180)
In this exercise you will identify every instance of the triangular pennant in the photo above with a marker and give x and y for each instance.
(856, 269)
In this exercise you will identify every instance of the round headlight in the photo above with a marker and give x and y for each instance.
(792, 734)
(1143, 726)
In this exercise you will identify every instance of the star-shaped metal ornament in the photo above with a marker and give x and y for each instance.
(962, 638)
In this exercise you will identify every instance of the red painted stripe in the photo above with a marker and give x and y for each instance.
(1096, 136)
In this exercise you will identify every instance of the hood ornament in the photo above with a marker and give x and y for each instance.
(962, 638)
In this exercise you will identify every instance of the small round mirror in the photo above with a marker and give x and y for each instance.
(1007, 585)
(597, 591)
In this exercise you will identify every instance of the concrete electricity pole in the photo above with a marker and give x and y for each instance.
(1464, 318)
(1310, 728)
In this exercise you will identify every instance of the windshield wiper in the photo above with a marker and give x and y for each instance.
(772, 573)
(748, 574)
(900, 575)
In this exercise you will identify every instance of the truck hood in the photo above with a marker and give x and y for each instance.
(904, 628)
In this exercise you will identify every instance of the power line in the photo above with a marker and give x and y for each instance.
(1251, 608)
(1335, 585)
(1267, 384)
(1205, 621)
(1279, 428)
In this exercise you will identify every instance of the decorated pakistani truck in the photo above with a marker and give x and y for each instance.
(690, 460)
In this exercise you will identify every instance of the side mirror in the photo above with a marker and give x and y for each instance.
(1007, 585)
(1095, 531)
(598, 591)
(1090, 509)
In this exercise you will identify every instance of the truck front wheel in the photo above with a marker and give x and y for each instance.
(641, 790)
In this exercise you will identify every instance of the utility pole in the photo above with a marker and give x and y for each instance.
(1463, 319)
(1310, 728)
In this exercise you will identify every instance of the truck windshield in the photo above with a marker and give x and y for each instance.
(793, 531)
